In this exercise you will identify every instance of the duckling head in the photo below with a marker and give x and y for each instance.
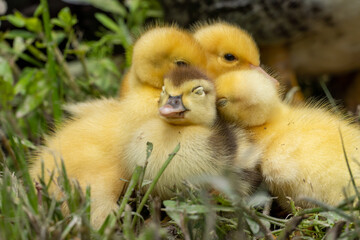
(188, 97)
(228, 47)
(161, 49)
(247, 96)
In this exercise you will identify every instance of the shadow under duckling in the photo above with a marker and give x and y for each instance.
(303, 151)
(91, 143)
(208, 145)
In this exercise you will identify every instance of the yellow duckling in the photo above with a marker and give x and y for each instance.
(227, 46)
(91, 144)
(303, 154)
(188, 116)
(169, 47)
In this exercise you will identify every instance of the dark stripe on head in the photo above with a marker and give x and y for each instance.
(182, 74)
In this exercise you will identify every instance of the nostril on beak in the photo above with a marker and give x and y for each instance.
(175, 101)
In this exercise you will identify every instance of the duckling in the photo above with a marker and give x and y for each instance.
(247, 95)
(228, 47)
(169, 47)
(303, 154)
(187, 115)
(88, 146)
(92, 142)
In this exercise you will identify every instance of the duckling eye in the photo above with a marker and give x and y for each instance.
(199, 91)
(222, 102)
(181, 63)
(229, 57)
(163, 90)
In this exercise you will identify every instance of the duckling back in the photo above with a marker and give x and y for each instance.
(305, 157)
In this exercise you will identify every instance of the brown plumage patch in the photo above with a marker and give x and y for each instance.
(223, 133)
(185, 73)
(251, 176)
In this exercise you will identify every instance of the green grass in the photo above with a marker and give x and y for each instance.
(30, 101)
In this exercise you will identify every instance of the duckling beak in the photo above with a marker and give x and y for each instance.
(173, 108)
(262, 71)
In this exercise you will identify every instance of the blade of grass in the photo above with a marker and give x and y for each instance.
(149, 148)
(335, 231)
(328, 94)
(50, 67)
(134, 180)
(5, 143)
(290, 227)
(348, 165)
(273, 220)
(263, 228)
(69, 226)
(27, 180)
(127, 229)
(152, 185)
(327, 208)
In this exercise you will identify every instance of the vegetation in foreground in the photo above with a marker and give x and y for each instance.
(60, 67)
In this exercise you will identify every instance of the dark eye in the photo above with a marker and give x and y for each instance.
(229, 57)
(181, 63)
(222, 102)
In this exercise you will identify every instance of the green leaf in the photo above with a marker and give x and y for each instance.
(108, 64)
(65, 20)
(125, 34)
(112, 6)
(57, 36)
(5, 71)
(133, 5)
(30, 59)
(81, 50)
(16, 21)
(6, 82)
(58, 22)
(38, 10)
(31, 102)
(65, 16)
(19, 33)
(331, 217)
(175, 209)
(104, 73)
(37, 53)
(19, 45)
(26, 78)
(24, 142)
(38, 83)
(107, 22)
(33, 24)
(254, 227)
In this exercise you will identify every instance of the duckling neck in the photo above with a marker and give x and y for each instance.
(277, 114)
(279, 110)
